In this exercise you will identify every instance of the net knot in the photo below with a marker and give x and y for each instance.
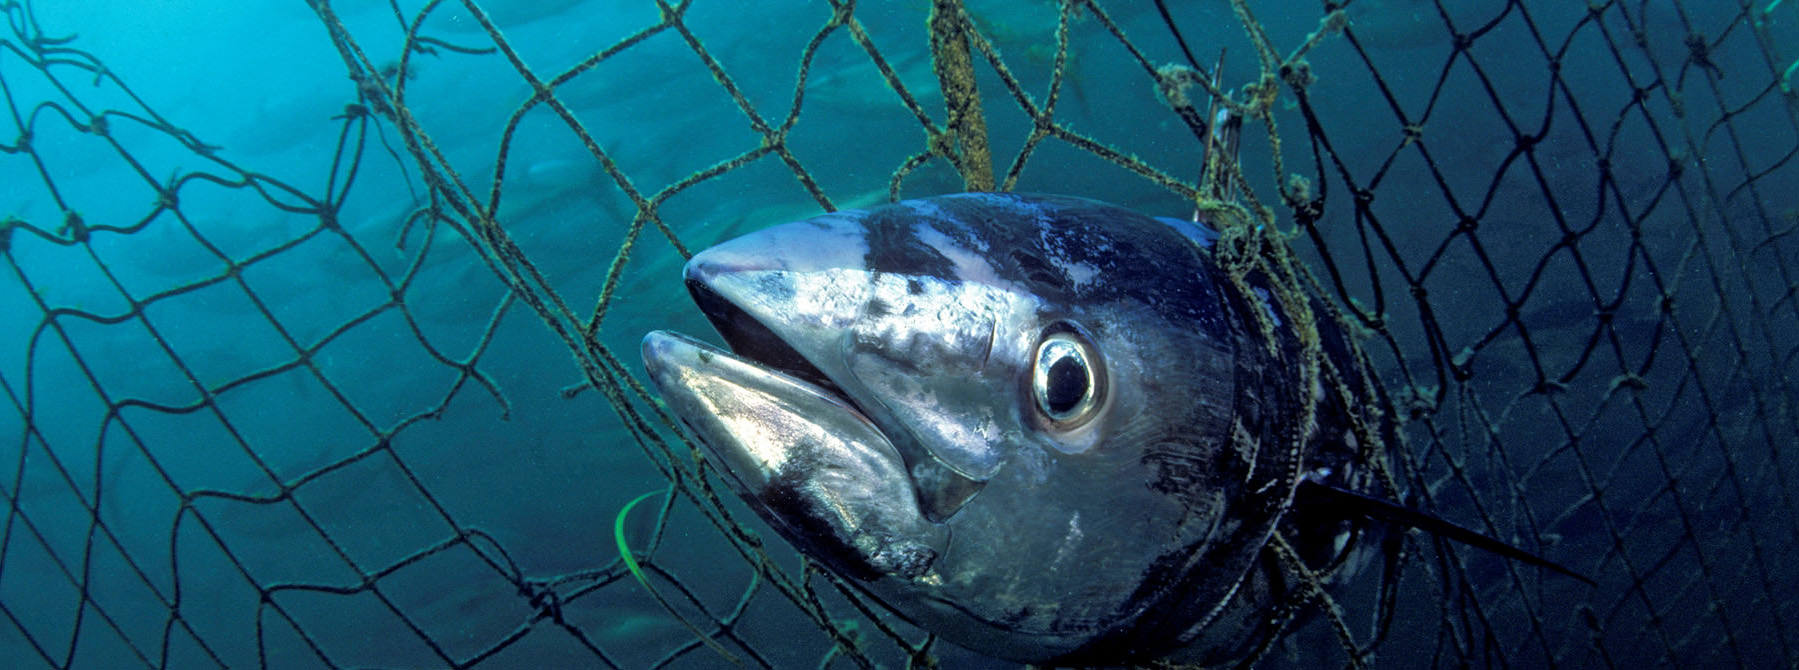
(1172, 81)
(1699, 53)
(73, 226)
(1298, 73)
(544, 600)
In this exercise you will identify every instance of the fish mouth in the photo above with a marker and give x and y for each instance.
(751, 340)
(791, 443)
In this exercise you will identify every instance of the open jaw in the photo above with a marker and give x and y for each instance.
(803, 455)
(750, 339)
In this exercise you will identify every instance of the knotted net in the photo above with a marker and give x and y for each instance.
(286, 355)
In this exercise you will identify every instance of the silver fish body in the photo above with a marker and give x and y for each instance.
(1043, 427)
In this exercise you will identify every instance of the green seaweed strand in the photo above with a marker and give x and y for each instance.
(624, 552)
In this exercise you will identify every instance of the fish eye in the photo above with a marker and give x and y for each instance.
(1067, 378)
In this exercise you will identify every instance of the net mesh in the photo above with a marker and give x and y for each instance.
(297, 391)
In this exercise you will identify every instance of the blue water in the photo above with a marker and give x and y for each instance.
(226, 431)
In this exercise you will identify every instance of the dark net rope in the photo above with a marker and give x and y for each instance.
(1706, 326)
(1587, 342)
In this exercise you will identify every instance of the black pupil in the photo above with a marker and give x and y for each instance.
(1067, 385)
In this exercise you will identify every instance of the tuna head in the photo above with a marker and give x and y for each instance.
(1006, 417)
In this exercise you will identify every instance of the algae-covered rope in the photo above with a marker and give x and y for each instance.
(965, 143)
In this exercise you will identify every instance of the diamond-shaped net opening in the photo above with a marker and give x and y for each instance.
(319, 349)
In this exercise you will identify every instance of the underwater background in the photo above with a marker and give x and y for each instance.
(319, 321)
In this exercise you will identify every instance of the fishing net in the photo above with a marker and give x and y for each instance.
(324, 354)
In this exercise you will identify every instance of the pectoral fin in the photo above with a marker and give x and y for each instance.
(1361, 504)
